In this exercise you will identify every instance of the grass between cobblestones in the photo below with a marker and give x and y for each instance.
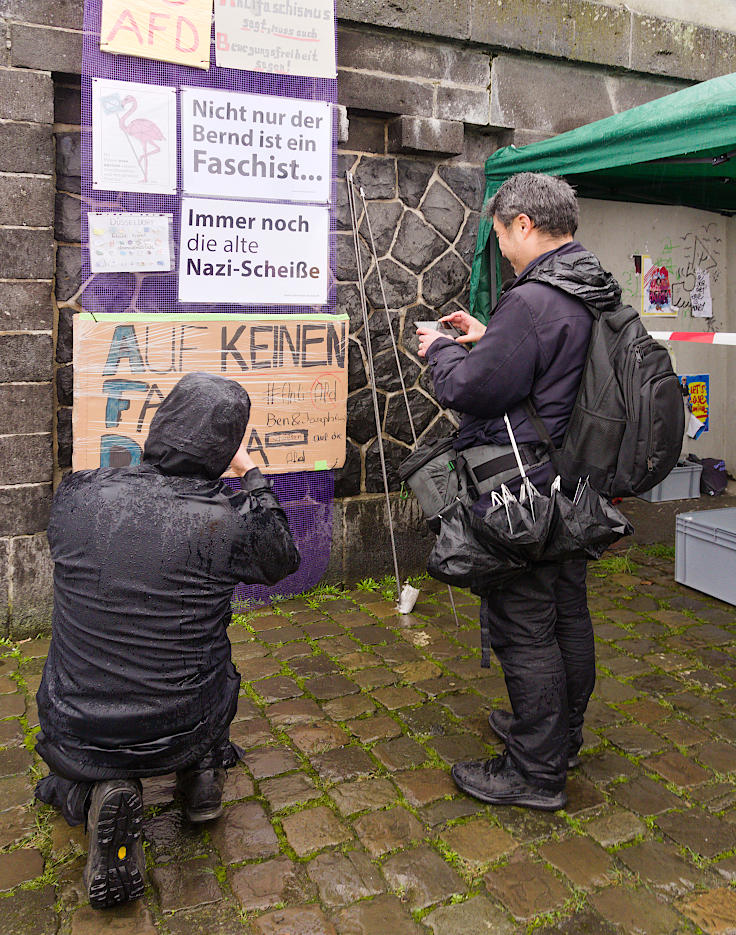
(343, 819)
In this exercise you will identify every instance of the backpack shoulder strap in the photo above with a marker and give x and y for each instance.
(541, 430)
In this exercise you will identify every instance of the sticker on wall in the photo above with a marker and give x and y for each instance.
(124, 242)
(701, 302)
(176, 31)
(696, 390)
(133, 137)
(255, 146)
(275, 37)
(656, 290)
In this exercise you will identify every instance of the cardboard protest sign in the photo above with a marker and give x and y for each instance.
(133, 137)
(168, 30)
(276, 37)
(253, 253)
(293, 367)
(257, 145)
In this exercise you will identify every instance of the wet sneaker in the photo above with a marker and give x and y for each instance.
(500, 724)
(115, 863)
(498, 782)
(201, 792)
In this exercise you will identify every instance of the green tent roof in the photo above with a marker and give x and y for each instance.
(676, 150)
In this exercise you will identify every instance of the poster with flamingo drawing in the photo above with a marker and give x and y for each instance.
(133, 137)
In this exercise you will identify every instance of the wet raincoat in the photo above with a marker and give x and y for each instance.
(139, 680)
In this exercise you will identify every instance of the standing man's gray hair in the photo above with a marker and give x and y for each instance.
(548, 200)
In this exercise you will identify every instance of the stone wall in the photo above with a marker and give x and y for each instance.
(431, 89)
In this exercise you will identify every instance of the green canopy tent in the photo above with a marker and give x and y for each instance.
(676, 150)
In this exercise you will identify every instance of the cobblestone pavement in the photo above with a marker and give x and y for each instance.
(343, 817)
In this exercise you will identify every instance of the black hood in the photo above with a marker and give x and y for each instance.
(198, 427)
(579, 274)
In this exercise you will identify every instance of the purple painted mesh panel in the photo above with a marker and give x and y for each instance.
(305, 496)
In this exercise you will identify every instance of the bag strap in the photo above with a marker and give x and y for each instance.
(541, 430)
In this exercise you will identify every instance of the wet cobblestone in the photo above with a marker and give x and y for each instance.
(343, 818)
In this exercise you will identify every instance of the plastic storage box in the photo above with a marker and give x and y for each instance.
(705, 552)
(682, 483)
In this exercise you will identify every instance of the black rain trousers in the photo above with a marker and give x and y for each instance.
(540, 629)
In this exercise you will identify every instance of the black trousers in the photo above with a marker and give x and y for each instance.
(540, 629)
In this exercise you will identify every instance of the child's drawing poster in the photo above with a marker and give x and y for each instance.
(656, 290)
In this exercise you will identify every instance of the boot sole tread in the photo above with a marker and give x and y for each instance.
(113, 880)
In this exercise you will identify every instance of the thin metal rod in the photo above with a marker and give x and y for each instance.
(371, 371)
(452, 602)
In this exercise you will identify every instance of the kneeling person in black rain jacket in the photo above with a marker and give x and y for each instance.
(139, 680)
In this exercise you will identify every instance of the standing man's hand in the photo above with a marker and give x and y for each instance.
(473, 330)
(242, 461)
(427, 337)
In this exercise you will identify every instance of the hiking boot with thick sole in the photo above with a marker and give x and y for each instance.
(201, 792)
(500, 724)
(115, 862)
(498, 782)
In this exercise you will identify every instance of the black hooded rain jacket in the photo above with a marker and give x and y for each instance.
(139, 680)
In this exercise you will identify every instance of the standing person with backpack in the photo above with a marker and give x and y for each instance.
(534, 349)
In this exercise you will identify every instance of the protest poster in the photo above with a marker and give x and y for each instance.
(166, 30)
(294, 368)
(656, 290)
(133, 137)
(121, 242)
(253, 253)
(696, 389)
(257, 144)
(293, 38)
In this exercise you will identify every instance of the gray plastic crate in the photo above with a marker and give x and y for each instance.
(682, 483)
(705, 552)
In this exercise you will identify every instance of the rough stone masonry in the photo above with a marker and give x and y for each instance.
(430, 90)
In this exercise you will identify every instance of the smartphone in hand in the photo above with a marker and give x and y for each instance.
(442, 326)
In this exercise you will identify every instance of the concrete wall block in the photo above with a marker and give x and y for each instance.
(65, 385)
(547, 96)
(64, 438)
(25, 306)
(367, 545)
(31, 587)
(579, 30)
(27, 254)
(365, 134)
(397, 55)
(384, 95)
(26, 148)
(425, 134)
(25, 407)
(4, 584)
(25, 200)
(67, 14)
(67, 102)
(26, 459)
(46, 48)
(26, 358)
(673, 48)
(450, 18)
(68, 218)
(26, 95)
(464, 104)
(629, 91)
(68, 271)
(24, 510)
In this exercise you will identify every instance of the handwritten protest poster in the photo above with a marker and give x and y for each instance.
(133, 137)
(253, 253)
(122, 242)
(293, 367)
(257, 145)
(284, 38)
(167, 30)
(696, 388)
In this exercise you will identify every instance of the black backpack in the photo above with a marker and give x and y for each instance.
(626, 428)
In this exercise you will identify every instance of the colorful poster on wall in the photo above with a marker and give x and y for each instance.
(253, 253)
(176, 31)
(656, 290)
(272, 36)
(696, 390)
(133, 137)
(293, 367)
(255, 146)
(124, 242)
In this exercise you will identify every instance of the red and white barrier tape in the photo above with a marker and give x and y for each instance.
(696, 337)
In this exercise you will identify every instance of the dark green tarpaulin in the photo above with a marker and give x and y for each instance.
(675, 150)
